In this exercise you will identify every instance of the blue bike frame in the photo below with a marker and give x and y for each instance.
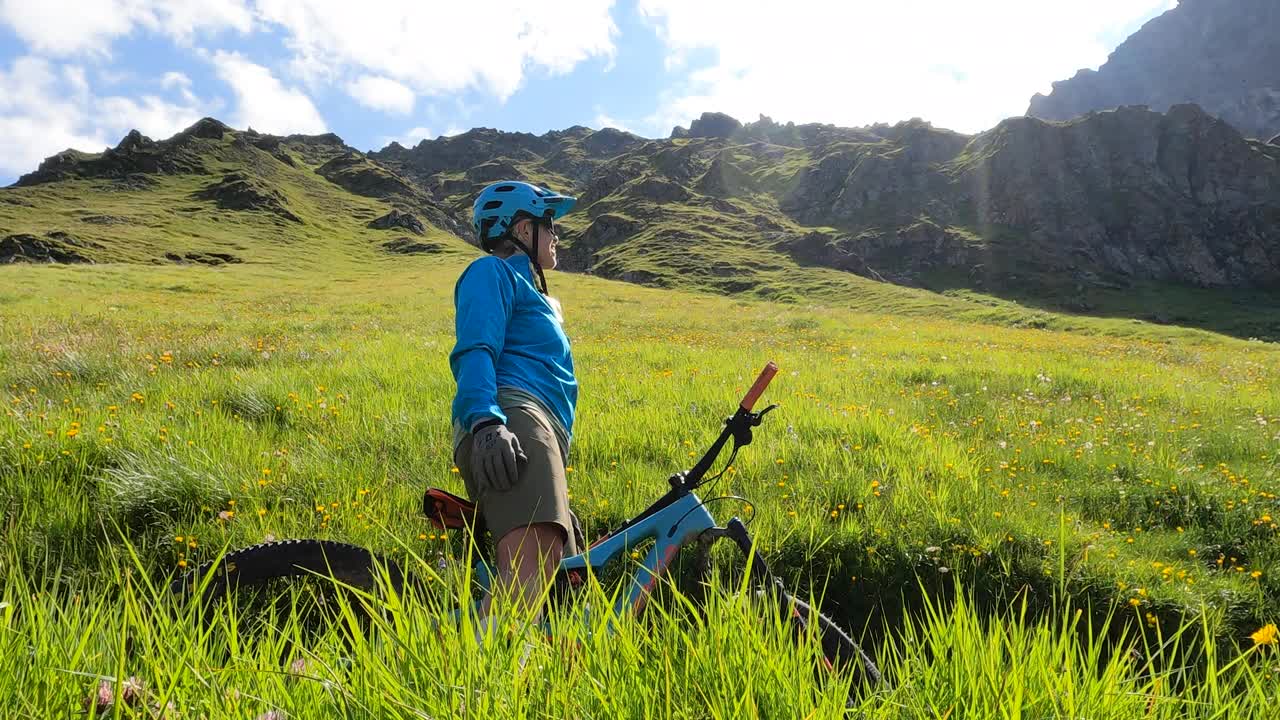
(670, 527)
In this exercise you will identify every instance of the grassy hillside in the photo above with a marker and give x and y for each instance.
(231, 404)
(234, 202)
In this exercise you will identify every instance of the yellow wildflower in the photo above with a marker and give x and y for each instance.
(1266, 635)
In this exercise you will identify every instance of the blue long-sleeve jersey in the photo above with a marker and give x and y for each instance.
(508, 335)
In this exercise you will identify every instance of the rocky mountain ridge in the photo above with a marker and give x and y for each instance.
(1113, 198)
(1220, 54)
(1116, 197)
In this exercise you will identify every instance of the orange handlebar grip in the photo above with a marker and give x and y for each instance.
(761, 383)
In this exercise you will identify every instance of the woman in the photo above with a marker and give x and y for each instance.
(516, 389)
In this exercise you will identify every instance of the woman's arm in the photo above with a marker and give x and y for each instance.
(483, 301)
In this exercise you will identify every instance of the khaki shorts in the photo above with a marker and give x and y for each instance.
(540, 494)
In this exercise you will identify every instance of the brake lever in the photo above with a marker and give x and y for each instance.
(742, 432)
(756, 418)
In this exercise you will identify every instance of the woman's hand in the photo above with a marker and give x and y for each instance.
(495, 458)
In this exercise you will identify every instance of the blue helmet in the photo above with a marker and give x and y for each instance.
(501, 204)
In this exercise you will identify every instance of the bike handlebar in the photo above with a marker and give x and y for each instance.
(737, 427)
(757, 389)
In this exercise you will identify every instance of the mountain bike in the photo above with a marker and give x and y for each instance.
(676, 520)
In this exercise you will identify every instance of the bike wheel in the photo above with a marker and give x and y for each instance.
(261, 564)
(839, 650)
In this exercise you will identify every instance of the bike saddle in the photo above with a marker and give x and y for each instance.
(448, 511)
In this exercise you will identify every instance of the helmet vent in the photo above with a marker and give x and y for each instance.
(505, 188)
(492, 205)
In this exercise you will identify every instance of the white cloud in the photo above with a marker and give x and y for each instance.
(66, 27)
(437, 48)
(180, 81)
(109, 75)
(264, 103)
(182, 19)
(79, 26)
(382, 52)
(381, 93)
(151, 115)
(76, 80)
(409, 138)
(41, 112)
(962, 65)
(45, 109)
(604, 121)
(174, 79)
(412, 137)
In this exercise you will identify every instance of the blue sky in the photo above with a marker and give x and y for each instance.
(82, 73)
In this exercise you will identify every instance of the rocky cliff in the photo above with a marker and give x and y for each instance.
(1220, 54)
(1112, 198)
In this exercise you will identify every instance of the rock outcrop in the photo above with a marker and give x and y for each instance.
(1220, 54)
(398, 220)
(356, 173)
(56, 247)
(450, 170)
(202, 149)
(135, 155)
(237, 191)
(409, 246)
(203, 258)
(714, 125)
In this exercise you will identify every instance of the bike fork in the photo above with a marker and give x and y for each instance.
(736, 531)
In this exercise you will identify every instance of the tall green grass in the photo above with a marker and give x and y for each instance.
(123, 647)
(1133, 477)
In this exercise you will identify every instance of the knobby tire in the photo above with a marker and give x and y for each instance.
(259, 564)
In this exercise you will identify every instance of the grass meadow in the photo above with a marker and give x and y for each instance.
(1019, 522)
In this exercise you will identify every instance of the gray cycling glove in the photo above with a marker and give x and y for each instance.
(496, 457)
